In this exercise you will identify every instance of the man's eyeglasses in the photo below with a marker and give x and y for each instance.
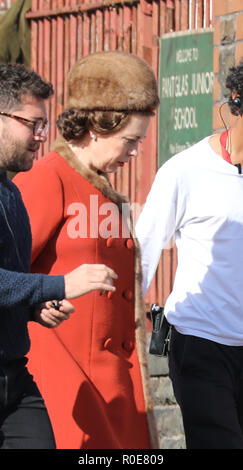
(38, 126)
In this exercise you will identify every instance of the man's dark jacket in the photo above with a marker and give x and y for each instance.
(20, 291)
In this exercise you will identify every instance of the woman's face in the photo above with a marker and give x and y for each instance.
(109, 152)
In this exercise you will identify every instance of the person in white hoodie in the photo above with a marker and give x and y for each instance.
(197, 197)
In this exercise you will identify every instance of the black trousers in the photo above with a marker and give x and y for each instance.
(24, 421)
(207, 378)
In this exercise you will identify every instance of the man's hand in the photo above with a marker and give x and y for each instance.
(89, 277)
(51, 317)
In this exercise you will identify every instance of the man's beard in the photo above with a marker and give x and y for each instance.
(14, 155)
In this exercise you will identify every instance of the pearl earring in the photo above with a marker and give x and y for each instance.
(93, 136)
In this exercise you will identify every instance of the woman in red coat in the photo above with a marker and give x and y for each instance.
(92, 371)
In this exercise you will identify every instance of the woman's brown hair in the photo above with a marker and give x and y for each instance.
(73, 123)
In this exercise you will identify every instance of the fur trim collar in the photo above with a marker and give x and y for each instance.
(99, 180)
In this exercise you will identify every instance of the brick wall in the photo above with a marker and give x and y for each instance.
(167, 412)
(228, 51)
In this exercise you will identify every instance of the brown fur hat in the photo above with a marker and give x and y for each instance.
(112, 81)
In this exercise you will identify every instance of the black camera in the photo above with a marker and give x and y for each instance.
(161, 332)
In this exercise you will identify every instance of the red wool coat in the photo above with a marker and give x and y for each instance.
(92, 369)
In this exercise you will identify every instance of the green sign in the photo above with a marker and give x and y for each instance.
(186, 90)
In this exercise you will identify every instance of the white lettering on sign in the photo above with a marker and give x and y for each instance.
(185, 118)
(176, 85)
(187, 55)
(202, 83)
(176, 148)
(183, 85)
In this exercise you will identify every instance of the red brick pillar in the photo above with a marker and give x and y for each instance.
(228, 51)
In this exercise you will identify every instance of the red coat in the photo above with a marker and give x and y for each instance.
(91, 370)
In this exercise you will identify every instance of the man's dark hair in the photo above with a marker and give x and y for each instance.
(234, 82)
(17, 81)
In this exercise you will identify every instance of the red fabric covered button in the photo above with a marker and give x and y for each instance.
(129, 243)
(109, 242)
(108, 344)
(128, 345)
(110, 294)
(128, 295)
